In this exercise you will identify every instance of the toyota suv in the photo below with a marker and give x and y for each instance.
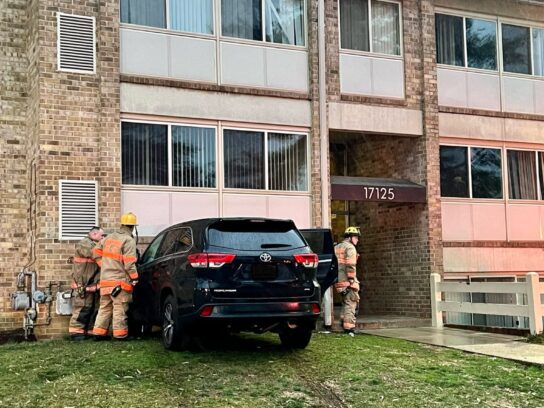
(232, 274)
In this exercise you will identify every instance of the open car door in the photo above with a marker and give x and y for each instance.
(321, 242)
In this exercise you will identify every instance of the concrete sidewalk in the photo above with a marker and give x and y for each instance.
(490, 344)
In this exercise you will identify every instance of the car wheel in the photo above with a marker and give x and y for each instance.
(173, 337)
(295, 338)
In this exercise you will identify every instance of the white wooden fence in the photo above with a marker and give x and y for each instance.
(532, 288)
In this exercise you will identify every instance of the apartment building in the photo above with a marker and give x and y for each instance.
(419, 121)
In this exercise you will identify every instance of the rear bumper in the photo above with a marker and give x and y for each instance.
(255, 310)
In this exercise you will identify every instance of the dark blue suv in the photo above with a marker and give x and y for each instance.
(230, 275)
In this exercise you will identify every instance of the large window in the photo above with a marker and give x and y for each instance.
(265, 160)
(478, 37)
(484, 172)
(283, 21)
(516, 49)
(195, 16)
(522, 182)
(372, 26)
(146, 161)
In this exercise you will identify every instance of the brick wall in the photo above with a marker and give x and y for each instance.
(13, 153)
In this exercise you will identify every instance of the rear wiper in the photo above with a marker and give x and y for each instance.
(274, 245)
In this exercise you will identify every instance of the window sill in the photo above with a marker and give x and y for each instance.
(371, 54)
(468, 69)
(157, 30)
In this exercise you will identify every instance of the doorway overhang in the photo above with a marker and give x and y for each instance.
(377, 190)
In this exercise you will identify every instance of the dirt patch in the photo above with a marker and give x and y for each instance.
(14, 336)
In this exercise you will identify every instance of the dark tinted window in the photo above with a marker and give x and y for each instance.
(486, 173)
(516, 49)
(151, 252)
(481, 43)
(319, 241)
(453, 171)
(176, 241)
(254, 235)
(449, 40)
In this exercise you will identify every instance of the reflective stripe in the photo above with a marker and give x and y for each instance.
(97, 251)
(133, 275)
(119, 257)
(129, 258)
(120, 333)
(349, 325)
(76, 330)
(99, 331)
(76, 259)
(348, 261)
(350, 274)
(341, 284)
(112, 283)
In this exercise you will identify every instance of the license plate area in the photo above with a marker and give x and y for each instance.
(264, 272)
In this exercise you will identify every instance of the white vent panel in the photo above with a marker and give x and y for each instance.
(78, 208)
(76, 43)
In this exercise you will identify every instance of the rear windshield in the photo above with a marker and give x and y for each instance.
(320, 241)
(254, 235)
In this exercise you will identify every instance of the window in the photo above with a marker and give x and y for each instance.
(151, 251)
(176, 241)
(484, 172)
(146, 158)
(516, 49)
(522, 182)
(283, 20)
(193, 156)
(194, 16)
(479, 37)
(538, 51)
(485, 166)
(265, 160)
(144, 154)
(454, 171)
(380, 33)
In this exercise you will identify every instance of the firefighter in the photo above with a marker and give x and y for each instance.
(84, 286)
(116, 256)
(348, 285)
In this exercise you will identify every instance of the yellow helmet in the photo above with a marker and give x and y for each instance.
(128, 219)
(352, 231)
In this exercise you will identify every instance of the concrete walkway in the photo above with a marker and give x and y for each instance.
(490, 344)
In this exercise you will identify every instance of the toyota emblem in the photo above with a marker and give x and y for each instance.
(265, 257)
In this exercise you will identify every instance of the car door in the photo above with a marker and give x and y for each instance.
(321, 242)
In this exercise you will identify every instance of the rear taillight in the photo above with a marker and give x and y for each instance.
(206, 311)
(307, 260)
(205, 260)
(315, 308)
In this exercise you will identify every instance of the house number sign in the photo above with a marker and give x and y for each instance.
(379, 193)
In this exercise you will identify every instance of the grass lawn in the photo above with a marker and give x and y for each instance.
(254, 371)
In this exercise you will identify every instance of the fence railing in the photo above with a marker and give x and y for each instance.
(532, 288)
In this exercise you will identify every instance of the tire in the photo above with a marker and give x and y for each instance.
(297, 338)
(173, 337)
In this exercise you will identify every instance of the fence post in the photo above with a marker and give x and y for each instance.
(436, 296)
(533, 301)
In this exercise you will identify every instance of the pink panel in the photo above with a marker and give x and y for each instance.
(243, 205)
(519, 259)
(489, 222)
(151, 208)
(294, 208)
(500, 260)
(192, 206)
(459, 260)
(523, 222)
(456, 222)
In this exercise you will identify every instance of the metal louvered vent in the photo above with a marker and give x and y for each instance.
(78, 208)
(76, 43)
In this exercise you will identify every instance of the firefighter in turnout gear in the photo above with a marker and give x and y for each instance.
(84, 286)
(348, 285)
(116, 255)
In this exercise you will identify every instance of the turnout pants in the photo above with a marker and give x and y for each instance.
(350, 301)
(113, 309)
(83, 314)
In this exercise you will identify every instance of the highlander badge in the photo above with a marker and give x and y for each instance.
(265, 257)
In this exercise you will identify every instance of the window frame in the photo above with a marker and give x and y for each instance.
(170, 154)
(370, 45)
(499, 21)
(217, 34)
(505, 192)
(537, 174)
(265, 131)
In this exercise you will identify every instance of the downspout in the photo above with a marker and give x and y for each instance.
(324, 145)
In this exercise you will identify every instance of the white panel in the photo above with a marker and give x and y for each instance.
(387, 78)
(457, 224)
(143, 53)
(539, 97)
(243, 205)
(187, 103)
(192, 206)
(152, 209)
(192, 59)
(297, 209)
(484, 91)
(355, 74)
(287, 69)
(452, 88)
(242, 65)
(518, 95)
